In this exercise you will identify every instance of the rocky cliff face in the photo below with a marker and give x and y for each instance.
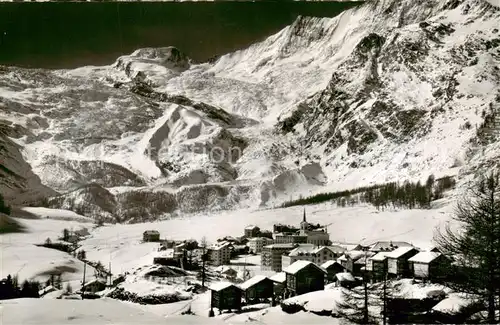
(416, 81)
(18, 183)
(390, 90)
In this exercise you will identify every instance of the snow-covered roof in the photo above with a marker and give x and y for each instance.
(398, 252)
(327, 264)
(299, 265)
(224, 269)
(453, 303)
(279, 277)
(337, 248)
(425, 257)
(167, 253)
(379, 256)
(344, 276)
(45, 290)
(259, 239)
(221, 286)
(388, 245)
(303, 249)
(284, 246)
(363, 258)
(220, 246)
(354, 255)
(251, 227)
(347, 246)
(252, 281)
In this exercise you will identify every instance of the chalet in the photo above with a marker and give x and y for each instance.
(337, 250)
(387, 246)
(429, 265)
(168, 257)
(345, 279)
(166, 244)
(377, 266)
(238, 250)
(349, 247)
(355, 261)
(310, 252)
(229, 239)
(332, 268)
(46, 290)
(397, 261)
(94, 286)
(347, 260)
(151, 236)
(227, 271)
(303, 277)
(257, 289)
(252, 231)
(359, 266)
(225, 296)
(279, 280)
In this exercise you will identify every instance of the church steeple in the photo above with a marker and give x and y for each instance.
(303, 224)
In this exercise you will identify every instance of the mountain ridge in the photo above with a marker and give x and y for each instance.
(390, 90)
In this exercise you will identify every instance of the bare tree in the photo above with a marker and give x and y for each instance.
(475, 247)
(355, 304)
(367, 303)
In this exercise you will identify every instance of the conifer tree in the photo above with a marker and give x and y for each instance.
(475, 243)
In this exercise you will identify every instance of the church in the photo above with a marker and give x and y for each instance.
(316, 235)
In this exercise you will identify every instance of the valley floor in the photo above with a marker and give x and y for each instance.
(358, 224)
(121, 245)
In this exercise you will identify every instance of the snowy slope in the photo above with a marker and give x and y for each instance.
(391, 90)
(56, 214)
(102, 311)
(20, 256)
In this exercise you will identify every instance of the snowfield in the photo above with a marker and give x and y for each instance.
(121, 245)
(21, 256)
(57, 214)
(78, 312)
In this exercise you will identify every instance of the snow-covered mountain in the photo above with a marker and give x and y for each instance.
(391, 90)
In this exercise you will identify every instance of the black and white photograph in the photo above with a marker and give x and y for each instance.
(267, 162)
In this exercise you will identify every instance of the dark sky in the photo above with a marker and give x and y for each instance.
(67, 35)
